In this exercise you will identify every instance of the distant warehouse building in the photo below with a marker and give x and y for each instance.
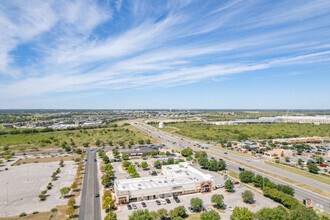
(178, 179)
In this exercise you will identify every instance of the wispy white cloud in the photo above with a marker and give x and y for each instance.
(82, 45)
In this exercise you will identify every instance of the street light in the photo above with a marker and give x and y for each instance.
(7, 192)
(109, 211)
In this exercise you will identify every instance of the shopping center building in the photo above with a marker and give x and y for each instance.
(175, 180)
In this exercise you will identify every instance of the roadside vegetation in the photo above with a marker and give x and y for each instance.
(220, 133)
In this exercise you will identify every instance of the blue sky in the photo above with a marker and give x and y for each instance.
(165, 54)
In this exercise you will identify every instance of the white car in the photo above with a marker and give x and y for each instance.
(163, 202)
(230, 208)
(218, 186)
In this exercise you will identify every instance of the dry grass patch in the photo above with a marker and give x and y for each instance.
(45, 160)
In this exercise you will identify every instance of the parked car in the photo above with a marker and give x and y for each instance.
(225, 153)
(230, 208)
(6, 168)
(177, 200)
(158, 203)
(134, 206)
(143, 204)
(163, 202)
(323, 165)
(190, 209)
(218, 186)
(235, 182)
(168, 201)
(129, 207)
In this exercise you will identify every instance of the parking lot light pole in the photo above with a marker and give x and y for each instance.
(109, 211)
(7, 192)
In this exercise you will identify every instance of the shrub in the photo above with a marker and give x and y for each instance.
(22, 214)
(281, 197)
(248, 196)
(36, 212)
(246, 176)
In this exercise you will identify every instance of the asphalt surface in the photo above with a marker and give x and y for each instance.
(90, 204)
(319, 201)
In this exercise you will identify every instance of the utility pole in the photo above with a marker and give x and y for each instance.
(109, 211)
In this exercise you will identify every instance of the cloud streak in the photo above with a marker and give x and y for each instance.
(80, 46)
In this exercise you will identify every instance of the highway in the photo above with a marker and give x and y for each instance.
(171, 140)
(90, 204)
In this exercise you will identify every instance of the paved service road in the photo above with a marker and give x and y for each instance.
(90, 204)
(320, 202)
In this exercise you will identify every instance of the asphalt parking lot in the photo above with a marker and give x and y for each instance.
(24, 183)
(231, 199)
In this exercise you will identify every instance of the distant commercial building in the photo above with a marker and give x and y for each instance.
(161, 124)
(318, 119)
(176, 180)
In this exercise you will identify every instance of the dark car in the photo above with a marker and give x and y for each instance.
(177, 200)
(97, 195)
(129, 207)
(143, 204)
(241, 168)
(225, 153)
(95, 160)
(158, 203)
(168, 201)
(6, 168)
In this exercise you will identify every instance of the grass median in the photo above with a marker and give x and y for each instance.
(294, 182)
(304, 173)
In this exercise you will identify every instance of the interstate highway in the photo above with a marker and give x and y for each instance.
(319, 201)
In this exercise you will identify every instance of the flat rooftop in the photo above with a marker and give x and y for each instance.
(174, 176)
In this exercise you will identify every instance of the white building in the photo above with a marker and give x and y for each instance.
(175, 180)
(319, 119)
(161, 124)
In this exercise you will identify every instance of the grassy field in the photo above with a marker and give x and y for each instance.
(210, 132)
(56, 139)
(194, 216)
(44, 160)
(304, 173)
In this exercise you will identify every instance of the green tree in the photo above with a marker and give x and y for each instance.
(8, 156)
(179, 211)
(218, 200)
(135, 175)
(74, 186)
(278, 213)
(86, 144)
(148, 141)
(72, 202)
(302, 213)
(186, 152)
(98, 143)
(241, 213)
(162, 214)
(125, 156)
(210, 215)
(108, 167)
(212, 165)
(248, 196)
(229, 186)
(222, 165)
(110, 143)
(203, 162)
(64, 191)
(141, 141)
(312, 168)
(70, 211)
(131, 169)
(107, 179)
(196, 204)
(141, 215)
(157, 164)
(106, 159)
(126, 164)
(300, 161)
(111, 215)
(153, 153)
(108, 201)
(246, 176)
(144, 165)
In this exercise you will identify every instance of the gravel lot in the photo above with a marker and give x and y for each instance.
(24, 183)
